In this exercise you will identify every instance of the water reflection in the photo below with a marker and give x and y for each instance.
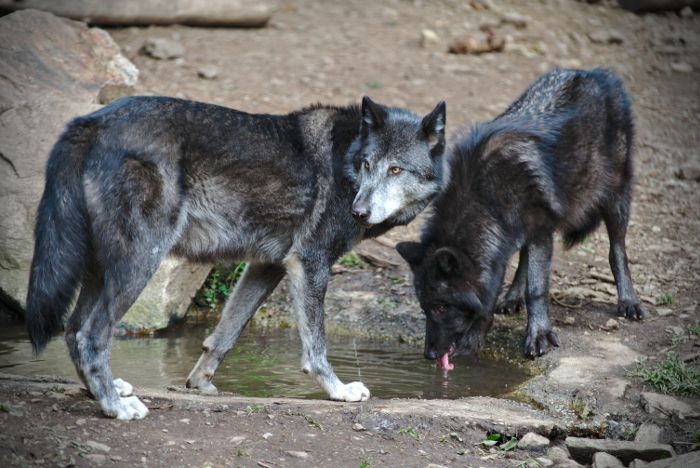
(266, 363)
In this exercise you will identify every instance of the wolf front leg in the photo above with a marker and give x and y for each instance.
(308, 280)
(540, 337)
(257, 282)
(514, 300)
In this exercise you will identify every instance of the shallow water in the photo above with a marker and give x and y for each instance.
(266, 363)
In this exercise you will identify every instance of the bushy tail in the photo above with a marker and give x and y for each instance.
(61, 237)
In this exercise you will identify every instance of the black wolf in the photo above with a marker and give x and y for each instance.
(148, 176)
(558, 159)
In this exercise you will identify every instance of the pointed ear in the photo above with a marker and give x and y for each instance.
(468, 300)
(372, 114)
(433, 124)
(447, 261)
(412, 252)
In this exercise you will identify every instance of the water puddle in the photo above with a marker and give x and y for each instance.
(265, 363)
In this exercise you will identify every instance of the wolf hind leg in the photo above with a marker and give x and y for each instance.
(90, 330)
(257, 282)
(514, 300)
(308, 282)
(616, 218)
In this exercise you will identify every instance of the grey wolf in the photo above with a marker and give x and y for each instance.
(558, 159)
(145, 177)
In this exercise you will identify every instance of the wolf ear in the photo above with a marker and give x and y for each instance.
(469, 301)
(447, 261)
(433, 124)
(412, 252)
(372, 114)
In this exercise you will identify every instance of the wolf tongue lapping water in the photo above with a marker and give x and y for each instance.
(444, 362)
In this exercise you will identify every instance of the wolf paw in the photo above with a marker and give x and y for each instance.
(510, 306)
(204, 387)
(123, 387)
(354, 391)
(540, 342)
(126, 408)
(631, 310)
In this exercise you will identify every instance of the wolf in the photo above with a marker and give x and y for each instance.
(558, 159)
(145, 177)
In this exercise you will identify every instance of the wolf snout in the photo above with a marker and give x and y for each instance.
(360, 212)
(431, 354)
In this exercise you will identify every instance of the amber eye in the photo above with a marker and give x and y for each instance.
(440, 309)
(366, 164)
(394, 170)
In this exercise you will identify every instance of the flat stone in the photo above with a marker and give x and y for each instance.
(689, 171)
(681, 67)
(664, 405)
(544, 462)
(682, 461)
(532, 441)
(605, 460)
(96, 458)
(609, 36)
(582, 449)
(295, 454)
(429, 39)
(98, 446)
(208, 72)
(650, 433)
(163, 48)
(664, 312)
(557, 454)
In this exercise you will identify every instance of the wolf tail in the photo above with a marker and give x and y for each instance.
(61, 237)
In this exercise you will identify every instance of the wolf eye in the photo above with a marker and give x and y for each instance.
(366, 164)
(393, 170)
(439, 309)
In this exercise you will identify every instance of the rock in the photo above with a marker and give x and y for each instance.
(682, 461)
(686, 12)
(605, 460)
(606, 36)
(489, 41)
(244, 13)
(515, 19)
(294, 454)
(267, 435)
(636, 463)
(569, 320)
(650, 433)
(681, 67)
(54, 71)
(675, 330)
(663, 312)
(544, 462)
(532, 441)
(612, 324)
(96, 458)
(162, 48)
(208, 72)
(557, 454)
(358, 427)
(582, 449)
(690, 171)
(663, 405)
(429, 39)
(97, 446)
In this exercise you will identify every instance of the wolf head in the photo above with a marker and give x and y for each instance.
(396, 162)
(456, 320)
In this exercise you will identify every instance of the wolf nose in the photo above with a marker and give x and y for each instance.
(360, 213)
(431, 354)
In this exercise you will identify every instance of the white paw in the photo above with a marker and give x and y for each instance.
(354, 391)
(123, 387)
(126, 408)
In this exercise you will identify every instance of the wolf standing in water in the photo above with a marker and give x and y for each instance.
(558, 159)
(148, 176)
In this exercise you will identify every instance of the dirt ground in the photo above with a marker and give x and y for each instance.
(337, 51)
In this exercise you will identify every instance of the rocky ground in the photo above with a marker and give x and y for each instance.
(336, 52)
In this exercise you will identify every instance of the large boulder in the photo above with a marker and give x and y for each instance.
(52, 70)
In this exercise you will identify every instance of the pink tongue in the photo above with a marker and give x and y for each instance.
(444, 362)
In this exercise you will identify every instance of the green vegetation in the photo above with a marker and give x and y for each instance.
(349, 260)
(374, 84)
(670, 376)
(256, 409)
(493, 439)
(694, 329)
(666, 299)
(365, 463)
(219, 284)
(410, 431)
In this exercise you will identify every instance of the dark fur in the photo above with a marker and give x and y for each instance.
(558, 159)
(148, 176)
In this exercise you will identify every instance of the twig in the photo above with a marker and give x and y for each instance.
(559, 302)
(602, 277)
